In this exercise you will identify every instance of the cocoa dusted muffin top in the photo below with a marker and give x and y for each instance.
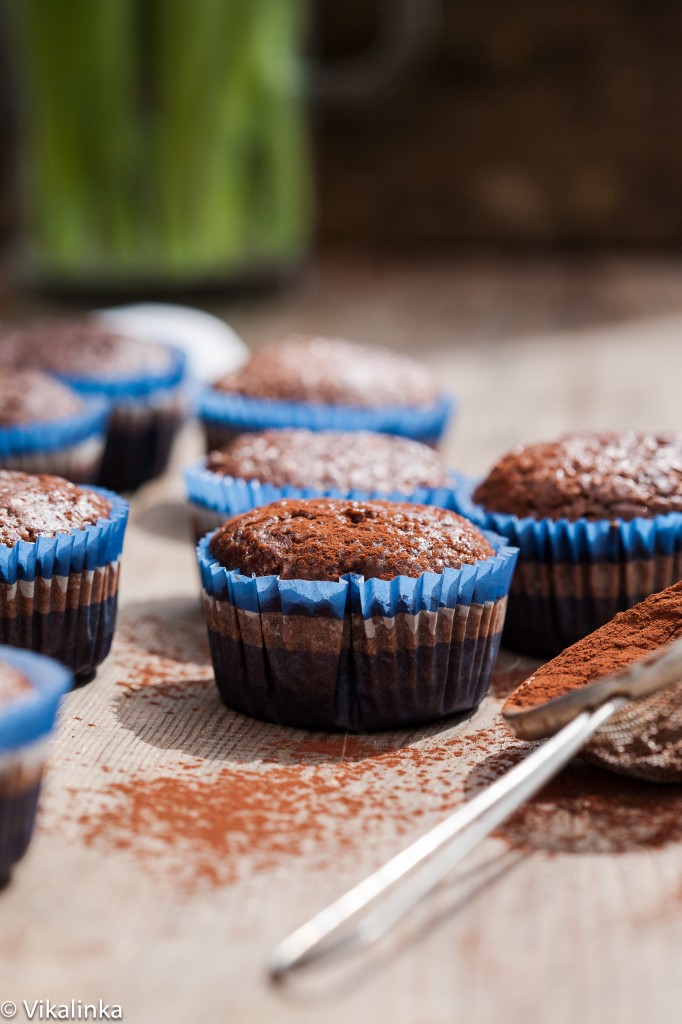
(44, 505)
(324, 538)
(29, 396)
(332, 371)
(14, 685)
(331, 459)
(591, 476)
(81, 346)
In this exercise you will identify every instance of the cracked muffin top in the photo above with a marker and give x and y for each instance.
(332, 371)
(327, 459)
(29, 396)
(44, 505)
(592, 476)
(81, 346)
(325, 538)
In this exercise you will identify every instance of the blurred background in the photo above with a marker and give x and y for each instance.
(487, 123)
(436, 175)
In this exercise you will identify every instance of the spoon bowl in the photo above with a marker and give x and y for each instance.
(642, 739)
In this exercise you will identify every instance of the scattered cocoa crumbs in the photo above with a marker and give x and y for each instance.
(216, 797)
(315, 799)
(255, 795)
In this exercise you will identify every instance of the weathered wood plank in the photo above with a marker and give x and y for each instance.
(178, 840)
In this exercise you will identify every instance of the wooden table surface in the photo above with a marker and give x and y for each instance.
(178, 841)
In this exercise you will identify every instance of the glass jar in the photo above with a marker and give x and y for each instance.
(165, 141)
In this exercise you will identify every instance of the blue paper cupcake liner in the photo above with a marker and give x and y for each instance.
(25, 727)
(54, 435)
(357, 654)
(225, 415)
(140, 440)
(58, 596)
(574, 576)
(71, 446)
(146, 411)
(214, 498)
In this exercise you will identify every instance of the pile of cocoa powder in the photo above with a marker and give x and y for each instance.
(653, 623)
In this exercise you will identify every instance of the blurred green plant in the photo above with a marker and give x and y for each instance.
(166, 140)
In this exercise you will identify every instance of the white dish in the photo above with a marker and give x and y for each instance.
(213, 348)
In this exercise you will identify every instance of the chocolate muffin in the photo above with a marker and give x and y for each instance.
(45, 426)
(323, 539)
(60, 546)
(255, 469)
(334, 614)
(598, 521)
(588, 476)
(30, 689)
(141, 380)
(326, 383)
(329, 459)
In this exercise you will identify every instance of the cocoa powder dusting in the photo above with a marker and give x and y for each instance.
(237, 797)
(317, 796)
(653, 623)
(217, 797)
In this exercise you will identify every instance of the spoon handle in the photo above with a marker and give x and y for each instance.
(323, 935)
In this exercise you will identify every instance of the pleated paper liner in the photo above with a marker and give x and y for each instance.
(574, 576)
(357, 654)
(71, 446)
(58, 595)
(225, 415)
(213, 498)
(147, 407)
(25, 728)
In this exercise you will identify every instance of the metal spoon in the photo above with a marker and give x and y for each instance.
(634, 720)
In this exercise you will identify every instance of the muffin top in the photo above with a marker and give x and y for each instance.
(29, 396)
(43, 506)
(14, 685)
(82, 347)
(324, 538)
(332, 371)
(331, 459)
(591, 476)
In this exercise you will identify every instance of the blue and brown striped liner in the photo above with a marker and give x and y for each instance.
(356, 654)
(225, 415)
(25, 729)
(58, 595)
(574, 576)
(146, 410)
(71, 446)
(214, 497)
